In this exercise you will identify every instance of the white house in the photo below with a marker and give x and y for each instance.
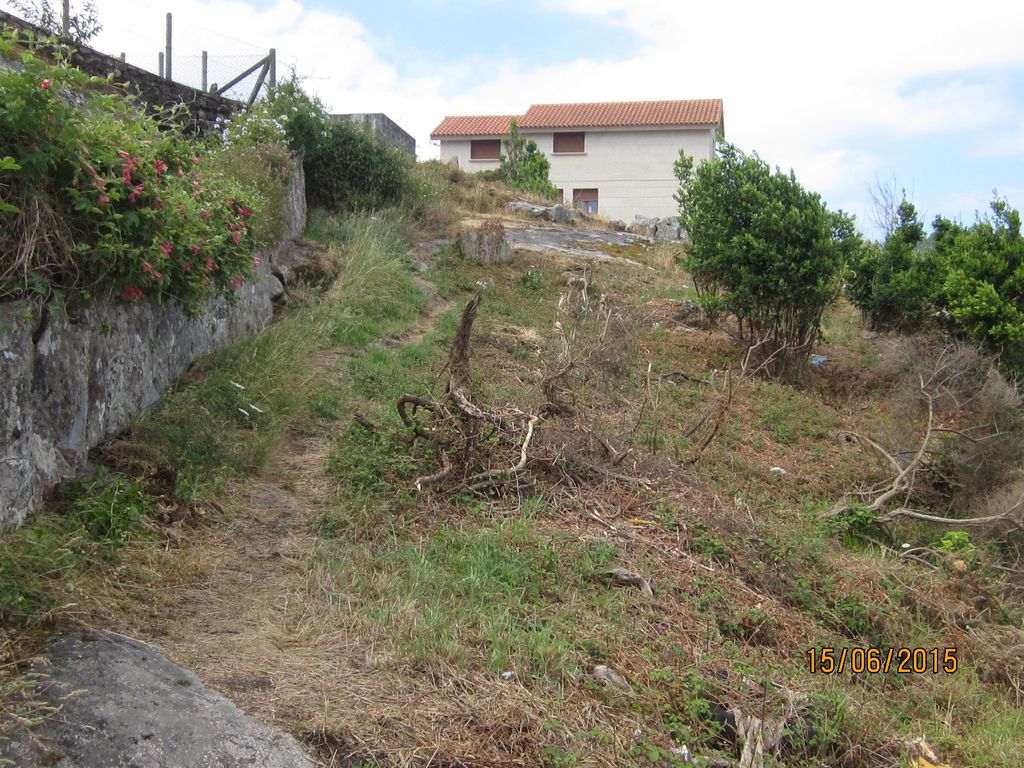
(613, 158)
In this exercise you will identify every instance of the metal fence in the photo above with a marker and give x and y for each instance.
(240, 76)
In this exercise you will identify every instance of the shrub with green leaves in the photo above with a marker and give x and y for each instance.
(892, 284)
(972, 278)
(352, 170)
(982, 293)
(95, 197)
(763, 249)
(523, 166)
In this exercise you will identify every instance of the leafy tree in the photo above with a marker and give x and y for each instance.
(83, 24)
(893, 284)
(765, 250)
(351, 169)
(982, 292)
(523, 165)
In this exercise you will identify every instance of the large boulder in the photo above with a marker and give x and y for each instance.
(667, 230)
(119, 702)
(488, 244)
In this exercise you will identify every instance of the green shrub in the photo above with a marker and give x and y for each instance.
(262, 173)
(288, 116)
(982, 293)
(95, 197)
(764, 249)
(523, 166)
(972, 278)
(893, 285)
(351, 170)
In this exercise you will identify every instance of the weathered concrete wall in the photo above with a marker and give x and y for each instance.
(384, 128)
(154, 92)
(68, 383)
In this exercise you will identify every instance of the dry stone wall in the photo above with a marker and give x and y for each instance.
(70, 382)
(154, 93)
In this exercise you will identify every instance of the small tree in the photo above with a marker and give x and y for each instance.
(523, 165)
(765, 250)
(982, 294)
(892, 285)
(83, 24)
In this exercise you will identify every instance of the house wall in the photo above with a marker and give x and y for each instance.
(631, 169)
(457, 150)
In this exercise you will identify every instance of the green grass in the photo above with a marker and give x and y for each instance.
(225, 419)
(497, 595)
(790, 415)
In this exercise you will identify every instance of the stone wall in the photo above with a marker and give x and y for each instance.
(68, 383)
(155, 93)
(384, 128)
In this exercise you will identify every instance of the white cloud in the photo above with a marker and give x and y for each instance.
(803, 82)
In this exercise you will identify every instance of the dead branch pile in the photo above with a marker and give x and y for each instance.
(499, 449)
(946, 388)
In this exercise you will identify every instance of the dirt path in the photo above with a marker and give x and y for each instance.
(235, 604)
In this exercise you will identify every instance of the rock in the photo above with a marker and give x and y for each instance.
(69, 383)
(122, 703)
(522, 206)
(641, 225)
(617, 225)
(609, 678)
(560, 214)
(487, 245)
(667, 230)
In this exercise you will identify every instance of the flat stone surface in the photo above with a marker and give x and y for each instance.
(573, 241)
(124, 705)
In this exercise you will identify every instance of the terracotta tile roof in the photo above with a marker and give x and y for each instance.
(626, 113)
(473, 125)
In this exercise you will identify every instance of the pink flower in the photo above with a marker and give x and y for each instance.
(131, 293)
(159, 166)
(255, 262)
(45, 85)
(181, 172)
(147, 266)
(205, 214)
(237, 282)
(167, 248)
(136, 191)
(126, 174)
(236, 238)
(245, 212)
(209, 264)
(102, 200)
(195, 248)
(122, 154)
(98, 182)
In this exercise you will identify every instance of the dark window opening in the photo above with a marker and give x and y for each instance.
(485, 149)
(570, 142)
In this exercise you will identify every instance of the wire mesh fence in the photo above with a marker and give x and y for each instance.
(220, 69)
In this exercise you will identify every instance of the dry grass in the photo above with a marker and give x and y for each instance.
(375, 623)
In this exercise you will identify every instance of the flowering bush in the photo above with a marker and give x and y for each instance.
(94, 196)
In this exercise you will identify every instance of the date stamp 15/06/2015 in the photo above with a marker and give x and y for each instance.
(902, 661)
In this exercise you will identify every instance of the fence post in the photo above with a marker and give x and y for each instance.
(204, 71)
(65, 17)
(160, 59)
(273, 68)
(168, 70)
